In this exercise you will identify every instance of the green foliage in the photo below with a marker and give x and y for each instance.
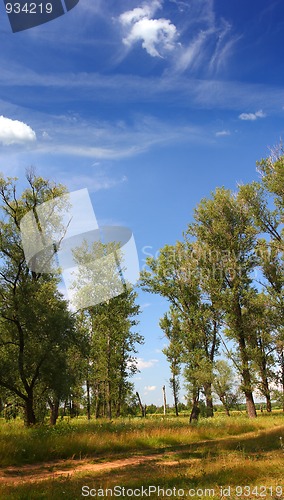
(35, 323)
(108, 329)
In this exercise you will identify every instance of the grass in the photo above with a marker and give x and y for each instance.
(215, 453)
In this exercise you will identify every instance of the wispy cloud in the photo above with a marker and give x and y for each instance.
(207, 41)
(127, 89)
(145, 305)
(74, 136)
(223, 133)
(97, 181)
(252, 116)
(15, 132)
(157, 35)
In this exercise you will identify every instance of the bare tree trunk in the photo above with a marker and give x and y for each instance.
(88, 399)
(164, 399)
(142, 408)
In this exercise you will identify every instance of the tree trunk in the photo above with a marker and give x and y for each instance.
(30, 418)
(109, 402)
(282, 376)
(263, 374)
(97, 396)
(142, 408)
(164, 400)
(195, 406)
(122, 380)
(194, 412)
(224, 403)
(108, 381)
(251, 411)
(88, 399)
(54, 410)
(174, 384)
(245, 371)
(209, 400)
(266, 392)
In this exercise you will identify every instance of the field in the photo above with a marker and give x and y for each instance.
(154, 457)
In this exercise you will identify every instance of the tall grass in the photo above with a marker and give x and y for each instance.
(216, 453)
(78, 438)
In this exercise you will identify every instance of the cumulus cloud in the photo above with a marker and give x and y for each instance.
(156, 35)
(252, 116)
(147, 11)
(15, 132)
(142, 364)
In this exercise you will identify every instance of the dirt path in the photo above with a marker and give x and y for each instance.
(63, 468)
(51, 470)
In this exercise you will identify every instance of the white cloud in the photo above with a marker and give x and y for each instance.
(202, 93)
(45, 135)
(145, 305)
(223, 133)
(209, 40)
(191, 55)
(109, 140)
(142, 364)
(147, 11)
(156, 35)
(95, 182)
(150, 387)
(252, 116)
(15, 132)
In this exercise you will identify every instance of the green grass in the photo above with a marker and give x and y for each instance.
(216, 452)
(78, 438)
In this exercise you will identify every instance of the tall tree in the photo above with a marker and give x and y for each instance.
(265, 201)
(175, 274)
(170, 324)
(35, 323)
(110, 323)
(225, 226)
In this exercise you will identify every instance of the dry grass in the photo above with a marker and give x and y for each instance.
(216, 453)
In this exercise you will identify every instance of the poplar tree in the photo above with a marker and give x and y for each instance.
(175, 274)
(35, 323)
(109, 325)
(226, 226)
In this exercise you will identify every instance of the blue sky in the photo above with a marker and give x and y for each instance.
(150, 105)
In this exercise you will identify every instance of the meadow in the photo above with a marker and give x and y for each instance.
(221, 457)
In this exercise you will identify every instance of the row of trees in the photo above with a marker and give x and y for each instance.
(49, 354)
(224, 283)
